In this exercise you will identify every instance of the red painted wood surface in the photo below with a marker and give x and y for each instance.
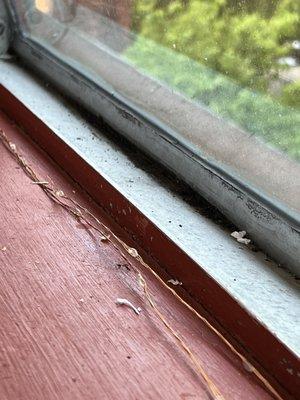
(251, 336)
(61, 334)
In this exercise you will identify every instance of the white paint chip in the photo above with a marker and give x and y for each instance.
(175, 282)
(104, 238)
(133, 252)
(40, 183)
(127, 303)
(239, 236)
(12, 146)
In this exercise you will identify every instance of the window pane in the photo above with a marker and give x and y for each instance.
(225, 74)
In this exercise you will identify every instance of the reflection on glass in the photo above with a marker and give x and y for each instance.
(215, 51)
(44, 6)
(239, 59)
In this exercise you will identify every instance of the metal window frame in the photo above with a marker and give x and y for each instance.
(274, 227)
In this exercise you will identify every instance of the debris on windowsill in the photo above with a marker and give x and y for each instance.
(12, 146)
(124, 302)
(40, 183)
(4, 248)
(211, 387)
(59, 193)
(105, 238)
(133, 252)
(248, 367)
(240, 237)
(175, 282)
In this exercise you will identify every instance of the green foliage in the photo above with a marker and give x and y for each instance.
(291, 94)
(210, 45)
(256, 113)
(235, 38)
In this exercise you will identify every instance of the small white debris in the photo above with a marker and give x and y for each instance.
(290, 371)
(239, 236)
(124, 302)
(244, 240)
(59, 193)
(175, 282)
(81, 300)
(78, 212)
(248, 367)
(133, 252)
(4, 248)
(12, 146)
(104, 238)
(40, 183)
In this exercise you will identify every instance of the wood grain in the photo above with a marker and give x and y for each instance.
(62, 336)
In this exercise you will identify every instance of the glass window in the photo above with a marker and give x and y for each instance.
(224, 75)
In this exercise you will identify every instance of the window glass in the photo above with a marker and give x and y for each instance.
(225, 74)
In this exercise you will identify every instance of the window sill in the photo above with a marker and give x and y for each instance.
(251, 298)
